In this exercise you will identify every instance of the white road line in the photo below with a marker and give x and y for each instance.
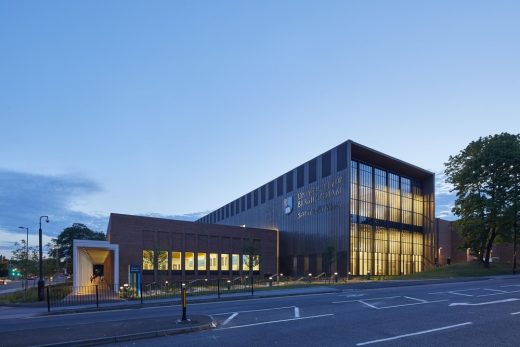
(415, 303)
(387, 297)
(412, 334)
(259, 310)
(296, 312)
(277, 321)
(230, 318)
(460, 294)
(366, 303)
(496, 290)
(483, 303)
(515, 313)
(420, 300)
(511, 285)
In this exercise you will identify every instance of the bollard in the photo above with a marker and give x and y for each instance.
(368, 275)
(97, 297)
(349, 276)
(141, 291)
(228, 285)
(335, 277)
(183, 293)
(270, 281)
(218, 288)
(48, 300)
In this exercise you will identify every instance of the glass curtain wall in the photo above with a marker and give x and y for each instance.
(386, 236)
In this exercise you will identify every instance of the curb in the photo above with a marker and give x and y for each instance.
(130, 337)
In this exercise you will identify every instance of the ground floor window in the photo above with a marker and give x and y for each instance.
(176, 261)
(189, 261)
(162, 260)
(224, 262)
(213, 262)
(235, 262)
(201, 262)
(148, 260)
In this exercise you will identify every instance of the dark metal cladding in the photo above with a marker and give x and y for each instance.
(316, 209)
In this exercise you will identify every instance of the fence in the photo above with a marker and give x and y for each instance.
(103, 294)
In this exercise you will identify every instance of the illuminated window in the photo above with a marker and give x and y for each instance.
(176, 261)
(224, 262)
(235, 262)
(148, 259)
(201, 261)
(189, 261)
(213, 262)
(245, 262)
(162, 260)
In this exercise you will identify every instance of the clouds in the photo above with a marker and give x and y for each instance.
(444, 197)
(24, 197)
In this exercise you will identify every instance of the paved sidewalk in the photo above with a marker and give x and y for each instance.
(88, 333)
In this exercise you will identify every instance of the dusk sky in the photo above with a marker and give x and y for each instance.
(173, 108)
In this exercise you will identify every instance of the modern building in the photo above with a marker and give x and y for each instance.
(351, 209)
(146, 250)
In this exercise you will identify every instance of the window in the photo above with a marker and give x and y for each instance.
(213, 262)
(235, 265)
(245, 262)
(227, 211)
(176, 261)
(148, 259)
(201, 261)
(299, 176)
(262, 194)
(289, 181)
(341, 158)
(224, 262)
(189, 261)
(243, 203)
(248, 201)
(237, 206)
(325, 164)
(270, 187)
(279, 186)
(162, 260)
(232, 205)
(312, 171)
(255, 197)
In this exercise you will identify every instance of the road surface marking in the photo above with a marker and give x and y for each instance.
(460, 294)
(259, 310)
(415, 303)
(495, 290)
(230, 318)
(352, 295)
(515, 313)
(511, 285)
(366, 303)
(420, 300)
(483, 303)
(296, 312)
(412, 334)
(387, 297)
(277, 321)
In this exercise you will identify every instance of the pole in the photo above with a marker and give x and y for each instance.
(252, 286)
(48, 300)
(184, 319)
(218, 288)
(26, 257)
(514, 244)
(41, 282)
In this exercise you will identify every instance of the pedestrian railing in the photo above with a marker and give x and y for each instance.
(65, 295)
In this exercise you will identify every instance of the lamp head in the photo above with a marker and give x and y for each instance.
(47, 220)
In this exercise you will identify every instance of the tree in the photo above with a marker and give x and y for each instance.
(4, 266)
(27, 265)
(485, 177)
(62, 245)
(329, 257)
(251, 254)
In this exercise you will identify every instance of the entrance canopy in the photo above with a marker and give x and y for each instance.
(95, 263)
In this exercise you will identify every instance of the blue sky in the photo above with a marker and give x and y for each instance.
(177, 107)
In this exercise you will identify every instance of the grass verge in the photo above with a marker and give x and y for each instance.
(473, 269)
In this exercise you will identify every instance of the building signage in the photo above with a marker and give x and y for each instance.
(287, 205)
(321, 193)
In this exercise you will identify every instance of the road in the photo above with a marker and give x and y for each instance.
(476, 313)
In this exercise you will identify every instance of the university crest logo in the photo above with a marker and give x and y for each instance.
(287, 205)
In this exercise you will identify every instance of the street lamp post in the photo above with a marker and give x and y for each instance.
(41, 282)
(26, 255)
